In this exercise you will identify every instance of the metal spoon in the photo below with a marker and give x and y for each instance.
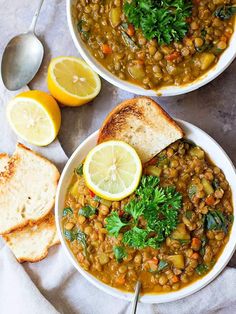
(136, 297)
(22, 57)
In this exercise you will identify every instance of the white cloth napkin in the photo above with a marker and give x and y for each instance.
(54, 286)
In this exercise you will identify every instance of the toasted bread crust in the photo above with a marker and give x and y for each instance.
(132, 118)
(117, 117)
(3, 155)
(48, 223)
(7, 175)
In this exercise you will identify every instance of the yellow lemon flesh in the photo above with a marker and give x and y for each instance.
(35, 117)
(112, 170)
(72, 82)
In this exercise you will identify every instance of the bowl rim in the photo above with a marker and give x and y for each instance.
(225, 60)
(150, 298)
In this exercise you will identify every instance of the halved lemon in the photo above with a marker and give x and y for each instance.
(72, 82)
(112, 170)
(35, 117)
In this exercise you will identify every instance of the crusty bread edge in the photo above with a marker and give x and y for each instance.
(3, 155)
(40, 258)
(132, 101)
(6, 174)
(46, 251)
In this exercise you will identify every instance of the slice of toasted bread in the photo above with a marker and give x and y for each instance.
(4, 159)
(27, 189)
(143, 124)
(31, 243)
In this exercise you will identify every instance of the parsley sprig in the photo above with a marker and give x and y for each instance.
(164, 20)
(114, 224)
(150, 217)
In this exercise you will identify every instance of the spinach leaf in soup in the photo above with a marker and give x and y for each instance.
(81, 237)
(87, 211)
(80, 28)
(225, 12)
(216, 220)
(79, 170)
(77, 234)
(120, 253)
(201, 269)
(70, 234)
(162, 265)
(67, 210)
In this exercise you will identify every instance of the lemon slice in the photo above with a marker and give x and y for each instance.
(72, 82)
(112, 170)
(35, 117)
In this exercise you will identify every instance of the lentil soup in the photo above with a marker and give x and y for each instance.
(154, 60)
(199, 223)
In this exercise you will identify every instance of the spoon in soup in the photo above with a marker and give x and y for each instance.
(136, 297)
(22, 57)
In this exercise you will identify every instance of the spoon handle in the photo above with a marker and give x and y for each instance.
(35, 18)
(136, 297)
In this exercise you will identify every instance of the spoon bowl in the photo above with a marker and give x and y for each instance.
(22, 57)
(21, 60)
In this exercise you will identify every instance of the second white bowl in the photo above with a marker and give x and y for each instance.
(217, 155)
(225, 60)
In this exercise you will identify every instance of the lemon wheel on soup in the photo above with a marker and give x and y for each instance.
(112, 170)
(72, 82)
(35, 117)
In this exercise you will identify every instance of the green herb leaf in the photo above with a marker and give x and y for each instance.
(80, 29)
(215, 184)
(158, 206)
(128, 40)
(67, 211)
(216, 220)
(162, 265)
(204, 47)
(201, 269)
(135, 209)
(203, 245)
(70, 235)
(203, 33)
(87, 211)
(114, 224)
(79, 170)
(164, 20)
(225, 12)
(136, 237)
(76, 234)
(81, 237)
(97, 198)
(120, 253)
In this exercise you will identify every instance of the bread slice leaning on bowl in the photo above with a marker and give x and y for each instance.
(27, 189)
(143, 124)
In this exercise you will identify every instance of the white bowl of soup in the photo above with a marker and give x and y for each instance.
(160, 284)
(150, 68)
